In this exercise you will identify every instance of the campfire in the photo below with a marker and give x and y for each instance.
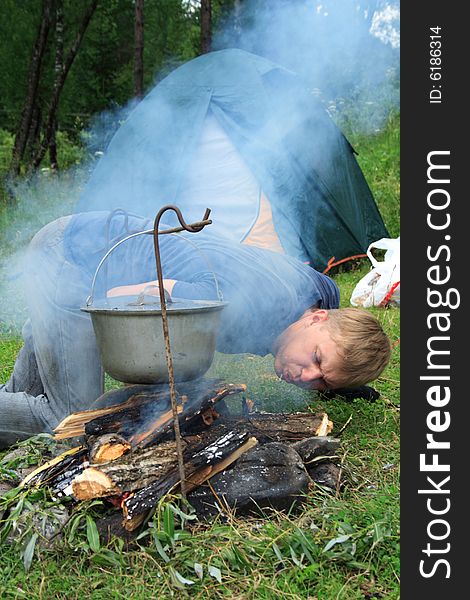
(151, 440)
(239, 461)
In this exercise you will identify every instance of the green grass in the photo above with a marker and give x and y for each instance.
(379, 159)
(9, 347)
(279, 556)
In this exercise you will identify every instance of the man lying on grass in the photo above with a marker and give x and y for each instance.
(276, 304)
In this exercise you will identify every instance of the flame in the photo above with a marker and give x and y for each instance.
(139, 436)
(124, 498)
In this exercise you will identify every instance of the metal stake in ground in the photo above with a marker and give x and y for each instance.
(194, 228)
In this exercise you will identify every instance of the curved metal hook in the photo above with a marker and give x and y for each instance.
(191, 228)
(194, 228)
(166, 334)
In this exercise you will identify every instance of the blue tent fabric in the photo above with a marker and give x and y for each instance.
(321, 203)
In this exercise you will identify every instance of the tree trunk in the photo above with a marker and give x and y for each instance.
(24, 127)
(206, 26)
(139, 49)
(59, 83)
(34, 134)
(237, 27)
(53, 148)
(58, 66)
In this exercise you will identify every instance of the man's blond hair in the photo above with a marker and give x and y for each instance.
(362, 344)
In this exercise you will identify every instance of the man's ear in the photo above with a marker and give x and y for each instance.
(317, 316)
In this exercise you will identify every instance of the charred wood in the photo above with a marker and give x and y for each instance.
(269, 476)
(312, 449)
(146, 417)
(198, 468)
(107, 447)
(327, 474)
(132, 471)
(130, 422)
(281, 427)
(57, 468)
(74, 424)
(193, 416)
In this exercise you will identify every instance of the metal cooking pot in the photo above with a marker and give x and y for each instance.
(132, 346)
(130, 334)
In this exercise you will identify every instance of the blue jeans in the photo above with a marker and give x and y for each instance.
(58, 370)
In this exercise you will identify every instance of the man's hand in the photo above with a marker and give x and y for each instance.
(135, 290)
(364, 391)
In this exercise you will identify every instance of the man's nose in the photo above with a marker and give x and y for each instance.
(310, 374)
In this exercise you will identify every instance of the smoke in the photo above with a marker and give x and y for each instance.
(347, 51)
(385, 23)
(38, 200)
(103, 126)
(347, 56)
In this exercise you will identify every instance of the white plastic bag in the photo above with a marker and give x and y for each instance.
(381, 286)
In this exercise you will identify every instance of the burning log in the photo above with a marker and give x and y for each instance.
(107, 447)
(130, 472)
(203, 465)
(194, 417)
(59, 468)
(129, 423)
(111, 419)
(145, 465)
(131, 455)
(146, 417)
(282, 427)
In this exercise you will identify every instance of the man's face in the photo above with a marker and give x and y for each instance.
(306, 355)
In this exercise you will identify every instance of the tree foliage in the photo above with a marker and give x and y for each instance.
(101, 79)
(102, 74)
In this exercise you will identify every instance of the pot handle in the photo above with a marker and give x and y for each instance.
(220, 296)
(89, 300)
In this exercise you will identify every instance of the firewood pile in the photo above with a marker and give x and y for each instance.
(241, 462)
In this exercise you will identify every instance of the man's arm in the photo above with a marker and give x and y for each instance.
(134, 290)
(202, 288)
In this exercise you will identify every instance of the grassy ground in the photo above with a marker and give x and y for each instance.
(340, 545)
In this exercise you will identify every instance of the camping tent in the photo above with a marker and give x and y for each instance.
(243, 136)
